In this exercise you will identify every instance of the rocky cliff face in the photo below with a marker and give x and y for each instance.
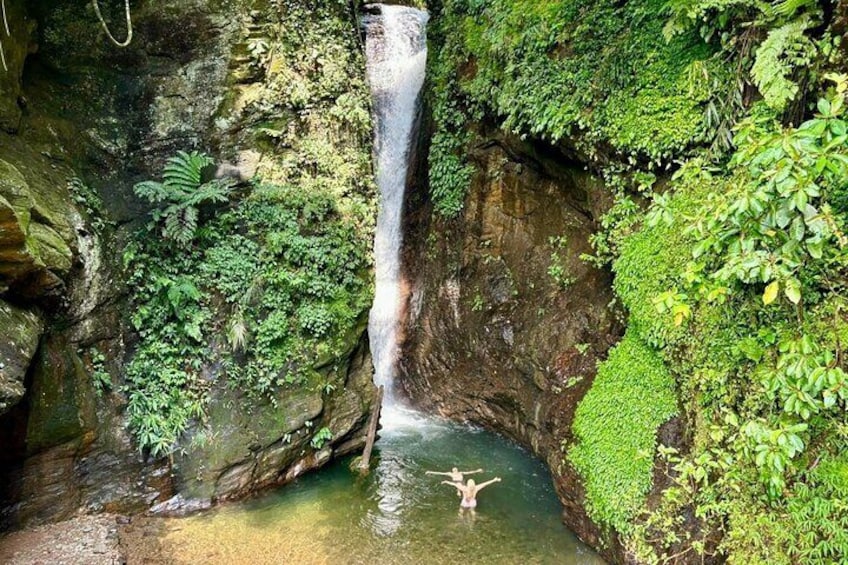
(75, 112)
(505, 322)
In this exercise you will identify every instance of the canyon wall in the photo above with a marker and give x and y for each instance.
(81, 122)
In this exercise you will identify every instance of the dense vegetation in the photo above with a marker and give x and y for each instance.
(733, 279)
(255, 286)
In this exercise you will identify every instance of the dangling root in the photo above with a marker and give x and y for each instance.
(103, 23)
(8, 33)
(5, 21)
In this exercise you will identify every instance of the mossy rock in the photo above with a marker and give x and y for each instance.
(62, 398)
(20, 331)
(35, 233)
(239, 427)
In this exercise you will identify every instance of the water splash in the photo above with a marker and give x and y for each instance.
(396, 53)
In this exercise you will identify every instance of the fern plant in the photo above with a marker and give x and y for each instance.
(181, 193)
(784, 50)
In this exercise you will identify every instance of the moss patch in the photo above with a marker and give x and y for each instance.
(616, 427)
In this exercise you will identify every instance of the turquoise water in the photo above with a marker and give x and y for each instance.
(397, 514)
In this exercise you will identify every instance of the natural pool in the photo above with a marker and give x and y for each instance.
(395, 515)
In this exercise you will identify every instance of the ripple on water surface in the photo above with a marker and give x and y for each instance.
(397, 514)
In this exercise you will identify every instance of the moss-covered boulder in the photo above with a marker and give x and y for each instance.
(248, 443)
(61, 401)
(35, 237)
(20, 331)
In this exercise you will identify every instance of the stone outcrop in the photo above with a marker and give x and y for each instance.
(21, 332)
(35, 249)
(257, 443)
(505, 322)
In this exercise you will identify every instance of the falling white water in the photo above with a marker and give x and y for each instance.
(396, 53)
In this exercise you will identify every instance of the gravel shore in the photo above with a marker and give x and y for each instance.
(89, 540)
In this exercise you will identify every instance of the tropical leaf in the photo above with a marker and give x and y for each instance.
(183, 171)
(181, 193)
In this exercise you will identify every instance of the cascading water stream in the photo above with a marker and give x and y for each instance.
(396, 53)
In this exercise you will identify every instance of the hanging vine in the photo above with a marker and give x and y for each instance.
(6, 27)
(103, 23)
(100, 17)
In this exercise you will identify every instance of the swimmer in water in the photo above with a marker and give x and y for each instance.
(469, 491)
(455, 474)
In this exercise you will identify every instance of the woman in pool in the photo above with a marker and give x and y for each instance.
(469, 491)
(455, 474)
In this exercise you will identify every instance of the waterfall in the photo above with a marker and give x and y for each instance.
(396, 54)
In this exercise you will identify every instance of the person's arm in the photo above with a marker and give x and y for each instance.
(472, 472)
(481, 486)
(437, 473)
(458, 486)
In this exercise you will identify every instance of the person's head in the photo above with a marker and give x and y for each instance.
(454, 470)
(471, 483)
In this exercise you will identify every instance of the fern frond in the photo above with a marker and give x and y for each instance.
(784, 50)
(181, 192)
(152, 191)
(788, 8)
(180, 223)
(183, 170)
(212, 191)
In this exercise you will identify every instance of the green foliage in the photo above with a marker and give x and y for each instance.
(97, 365)
(287, 273)
(321, 437)
(651, 259)
(776, 32)
(615, 427)
(785, 49)
(595, 71)
(276, 283)
(556, 270)
(777, 226)
(89, 203)
(622, 217)
(745, 271)
(810, 526)
(181, 193)
(449, 172)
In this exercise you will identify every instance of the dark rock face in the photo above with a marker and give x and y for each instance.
(65, 449)
(15, 50)
(505, 322)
